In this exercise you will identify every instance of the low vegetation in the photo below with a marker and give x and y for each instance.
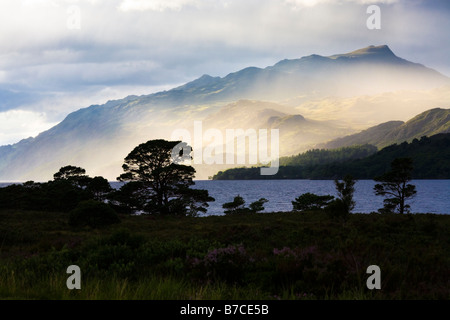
(297, 255)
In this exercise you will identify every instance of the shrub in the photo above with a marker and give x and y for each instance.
(310, 201)
(238, 206)
(258, 205)
(337, 210)
(92, 213)
(228, 264)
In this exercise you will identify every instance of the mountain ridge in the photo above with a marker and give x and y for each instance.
(98, 137)
(240, 84)
(430, 122)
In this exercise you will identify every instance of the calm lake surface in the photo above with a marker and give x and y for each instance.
(433, 196)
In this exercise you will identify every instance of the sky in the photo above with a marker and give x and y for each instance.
(57, 56)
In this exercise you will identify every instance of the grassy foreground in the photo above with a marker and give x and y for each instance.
(256, 256)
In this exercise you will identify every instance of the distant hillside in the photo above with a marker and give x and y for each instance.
(297, 133)
(431, 158)
(428, 123)
(365, 111)
(321, 156)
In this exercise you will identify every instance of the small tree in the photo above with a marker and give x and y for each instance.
(344, 204)
(99, 187)
(258, 205)
(310, 201)
(67, 188)
(394, 183)
(237, 206)
(75, 175)
(190, 202)
(163, 181)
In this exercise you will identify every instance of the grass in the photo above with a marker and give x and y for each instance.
(52, 287)
(283, 256)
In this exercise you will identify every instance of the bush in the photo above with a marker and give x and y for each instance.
(92, 213)
(224, 264)
(310, 201)
(238, 206)
(338, 210)
(54, 196)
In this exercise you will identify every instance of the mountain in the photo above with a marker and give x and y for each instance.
(364, 111)
(369, 70)
(99, 137)
(297, 133)
(428, 123)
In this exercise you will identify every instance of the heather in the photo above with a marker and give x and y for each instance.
(296, 255)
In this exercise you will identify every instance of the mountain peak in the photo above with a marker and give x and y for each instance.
(381, 52)
(382, 49)
(204, 80)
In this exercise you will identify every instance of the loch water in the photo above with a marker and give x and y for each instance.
(433, 196)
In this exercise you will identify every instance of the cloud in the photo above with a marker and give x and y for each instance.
(156, 5)
(19, 124)
(311, 3)
(127, 46)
